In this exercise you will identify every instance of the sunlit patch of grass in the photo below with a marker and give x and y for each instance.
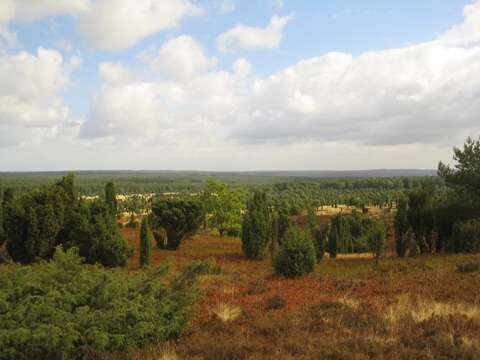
(422, 310)
(227, 312)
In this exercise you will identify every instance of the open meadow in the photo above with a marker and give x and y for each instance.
(412, 308)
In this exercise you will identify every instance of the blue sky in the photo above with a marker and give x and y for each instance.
(278, 91)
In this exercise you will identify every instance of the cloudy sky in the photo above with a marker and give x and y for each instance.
(236, 84)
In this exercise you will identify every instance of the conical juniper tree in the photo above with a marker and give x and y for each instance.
(255, 227)
(145, 243)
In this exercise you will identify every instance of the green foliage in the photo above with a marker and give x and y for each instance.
(297, 254)
(178, 216)
(420, 215)
(145, 243)
(63, 309)
(95, 232)
(320, 236)
(464, 177)
(222, 205)
(401, 227)
(466, 236)
(38, 221)
(376, 240)
(351, 232)
(333, 243)
(111, 197)
(33, 222)
(255, 227)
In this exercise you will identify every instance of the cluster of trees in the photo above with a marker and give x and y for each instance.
(431, 221)
(268, 225)
(36, 222)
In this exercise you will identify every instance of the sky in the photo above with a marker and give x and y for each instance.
(236, 85)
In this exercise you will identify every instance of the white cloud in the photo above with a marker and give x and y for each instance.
(181, 58)
(30, 103)
(467, 32)
(427, 94)
(119, 24)
(248, 37)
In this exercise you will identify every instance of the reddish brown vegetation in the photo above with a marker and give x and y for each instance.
(345, 309)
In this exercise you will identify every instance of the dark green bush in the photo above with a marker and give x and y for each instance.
(297, 254)
(178, 216)
(62, 309)
(466, 236)
(255, 227)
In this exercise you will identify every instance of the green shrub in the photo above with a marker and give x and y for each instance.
(62, 309)
(145, 244)
(466, 236)
(255, 227)
(234, 231)
(178, 216)
(319, 238)
(297, 254)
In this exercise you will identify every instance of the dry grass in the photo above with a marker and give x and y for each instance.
(423, 309)
(227, 312)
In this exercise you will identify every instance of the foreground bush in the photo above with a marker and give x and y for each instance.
(63, 309)
(297, 254)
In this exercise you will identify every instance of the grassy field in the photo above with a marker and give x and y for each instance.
(413, 308)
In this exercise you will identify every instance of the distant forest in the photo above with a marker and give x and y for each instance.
(131, 182)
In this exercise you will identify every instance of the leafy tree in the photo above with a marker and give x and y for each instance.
(223, 204)
(145, 244)
(332, 243)
(401, 227)
(464, 177)
(178, 217)
(297, 254)
(255, 227)
(111, 197)
(376, 240)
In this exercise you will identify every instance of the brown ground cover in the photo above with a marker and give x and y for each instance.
(413, 308)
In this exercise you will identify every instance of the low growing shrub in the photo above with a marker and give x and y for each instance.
(297, 254)
(63, 309)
